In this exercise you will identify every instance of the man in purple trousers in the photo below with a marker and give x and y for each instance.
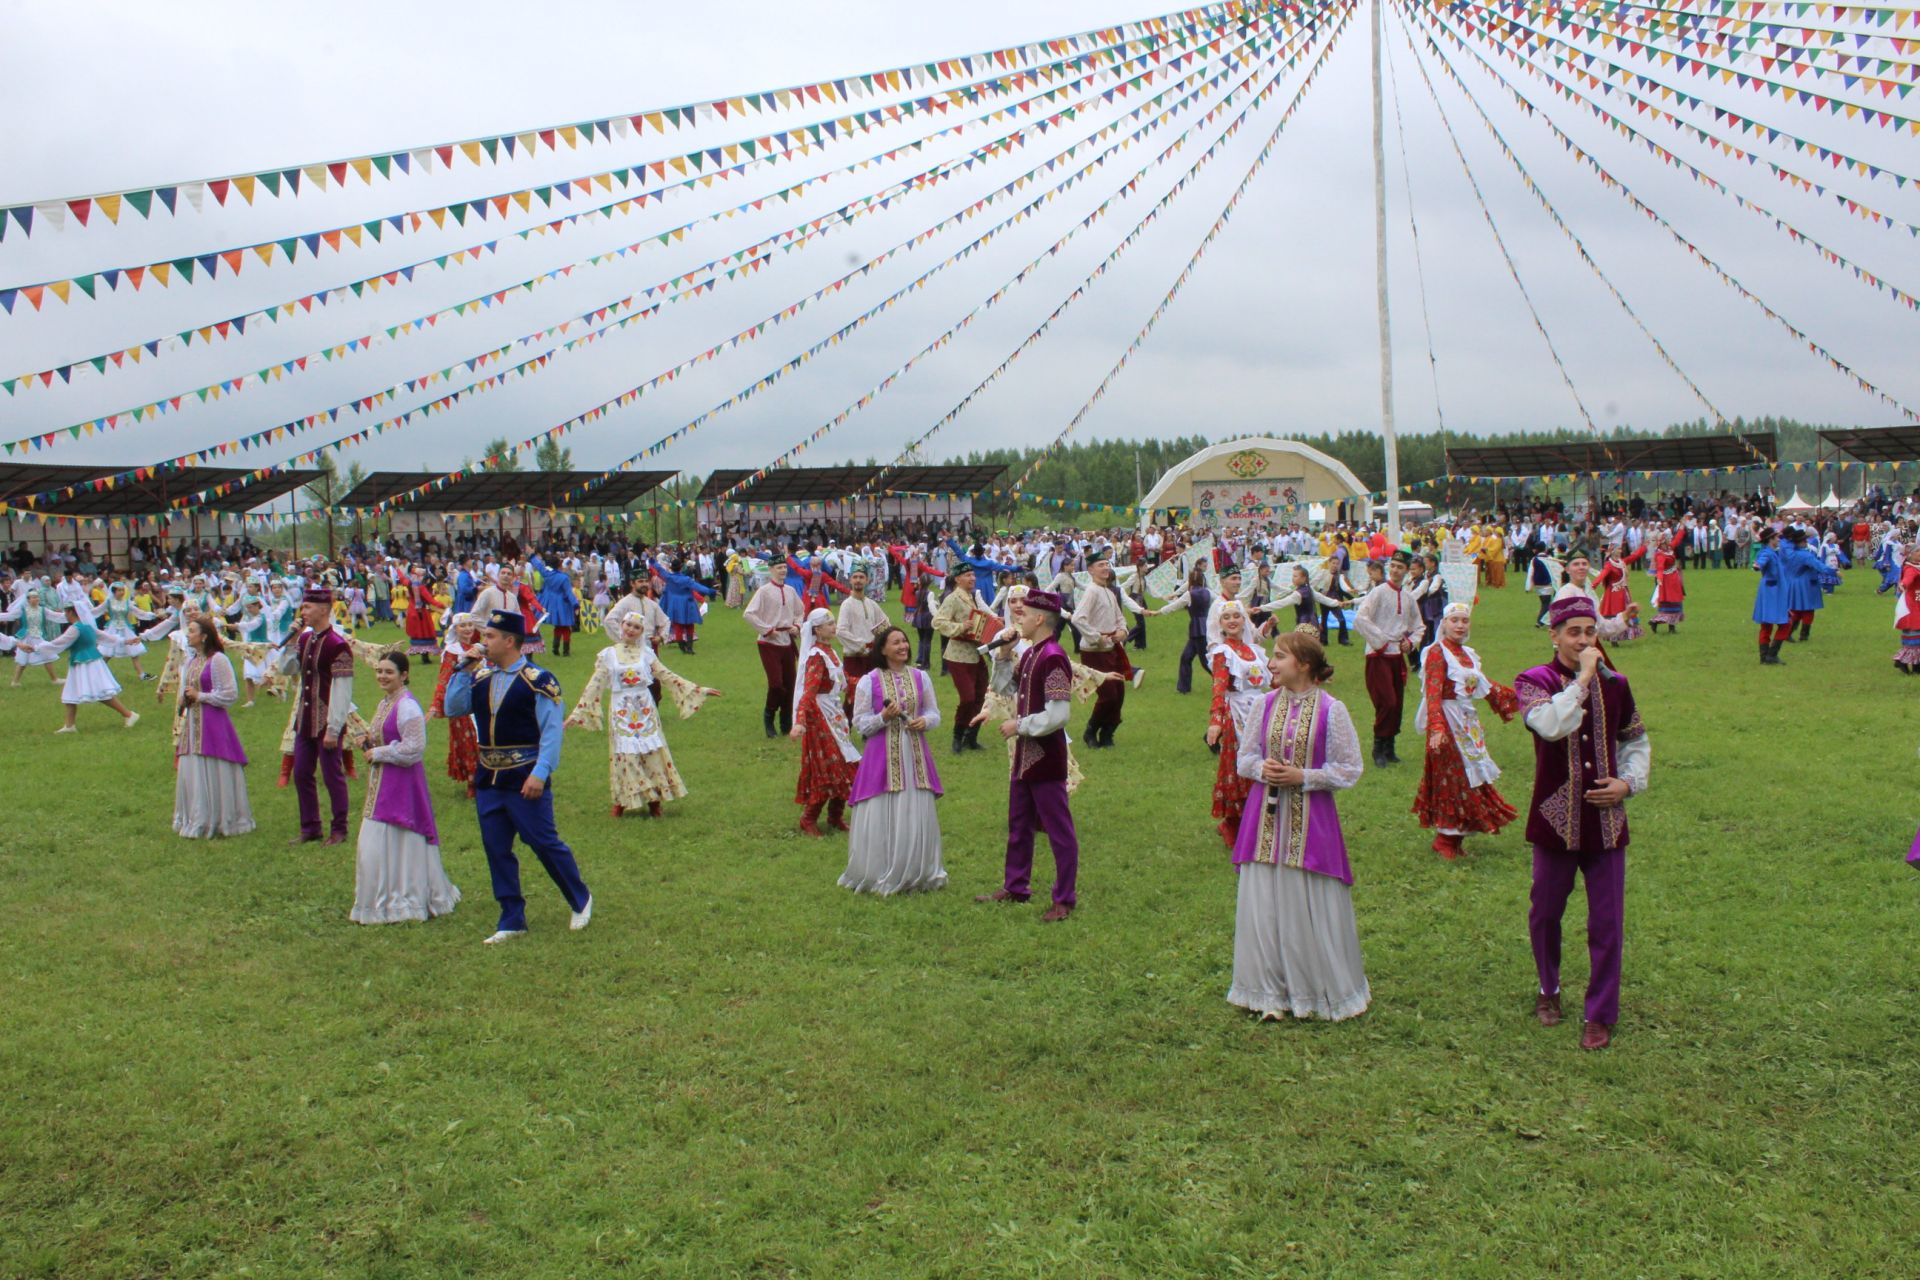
(1590, 754)
(325, 663)
(1037, 793)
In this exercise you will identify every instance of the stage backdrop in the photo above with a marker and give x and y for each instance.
(1251, 481)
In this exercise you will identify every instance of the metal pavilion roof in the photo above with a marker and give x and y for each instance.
(147, 497)
(1876, 444)
(502, 490)
(1662, 453)
(837, 484)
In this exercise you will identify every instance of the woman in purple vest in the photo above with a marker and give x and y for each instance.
(895, 845)
(210, 782)
(1296, 949)
(398, 875)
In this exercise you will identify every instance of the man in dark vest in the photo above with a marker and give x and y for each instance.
(325, 663)
(518, 718)
(1037, 793)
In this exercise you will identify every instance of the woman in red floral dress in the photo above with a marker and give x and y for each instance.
(463, 747)
(1457, 796)
(1240, 683)
(828, 756)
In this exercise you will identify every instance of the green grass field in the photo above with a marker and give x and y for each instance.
(741, 1069)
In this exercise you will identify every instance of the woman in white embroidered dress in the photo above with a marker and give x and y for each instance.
(38, 624)
(641, 772)
(895, 845)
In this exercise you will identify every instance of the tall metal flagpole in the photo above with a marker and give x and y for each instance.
(1380, 281)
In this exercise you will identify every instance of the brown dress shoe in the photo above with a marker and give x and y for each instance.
(1002, 895)
(338, 837)
(1547, 1009)
(1057, 912)
(1596, 1035)
(297, 841)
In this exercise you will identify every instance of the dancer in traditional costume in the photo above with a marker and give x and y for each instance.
(1580, 583)
(859, 624)
(251, 627)
(397, 871)
(1240, 684)
(895, 843)
(1388, 621)
(210, 781)
(827, 753)
(119, 638)
(38, 622)
(1037, 790)
(1543, 579)
(1003, 691)
(1197, 600)
(1101, 621)
(88, 679)
(1615, 600)
(958, 619)
(559, 605)
(775, 614)
(463, 753)
(325, 665)
(641, 773)
(1590, 753)
(1296, 948)
(517, 717)
(680, 604)
(1804, 596)
(1770, 608)
(421, 621)
(1457, 796)
(1906, 612)
(1669, 588)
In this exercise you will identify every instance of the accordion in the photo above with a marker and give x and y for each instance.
(982, 626)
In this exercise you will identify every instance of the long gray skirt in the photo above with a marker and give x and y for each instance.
(210, 798)
(895, 844)
(398, 877)
(1295, 946)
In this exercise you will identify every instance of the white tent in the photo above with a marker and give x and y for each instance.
(1832, 501)
(1795, 503)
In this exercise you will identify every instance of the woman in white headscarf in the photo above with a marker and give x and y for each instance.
(642, 772)
(827, 752)
(1241, 683)
(1457, 797)
(38, 624)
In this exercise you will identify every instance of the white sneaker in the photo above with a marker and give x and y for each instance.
(1139, 674)
(133, 718)
(503, 935)
(68, 728)
(247, 703)
(582, 916)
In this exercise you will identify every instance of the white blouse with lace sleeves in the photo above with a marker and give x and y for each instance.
(225, 691)
(412, 745)
(1343, 765)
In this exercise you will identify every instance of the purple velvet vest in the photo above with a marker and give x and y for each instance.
(218, 740)
(1302, 829)
(1044, 675)
(1560, 820)
(895, 759)
(397, 793)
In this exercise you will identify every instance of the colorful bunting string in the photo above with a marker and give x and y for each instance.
(1139, 228)
(1733, 38)
(288, 180)
(724, 157)
(1613, 184)
(236, 326)
(1310, 26)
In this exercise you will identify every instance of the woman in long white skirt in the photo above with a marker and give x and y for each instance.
(38, 624)
(1296, 949)
(88, 679)
(894, 846)
(398, 874)
(119, 637)
(210, 781)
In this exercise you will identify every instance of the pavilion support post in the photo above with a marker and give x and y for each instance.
(1380, 287)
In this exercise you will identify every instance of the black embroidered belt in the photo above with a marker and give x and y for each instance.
(495, 759)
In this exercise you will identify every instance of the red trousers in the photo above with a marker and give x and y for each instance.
(970, 686)
(780, 662)
(1387, 686)
(1111, 698)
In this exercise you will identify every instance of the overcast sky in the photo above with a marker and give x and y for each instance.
(1274, 334)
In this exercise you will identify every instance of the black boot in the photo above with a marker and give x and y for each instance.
(1393, 757)
(973, 738)
(1766, 654)
(786, 718)
(1107, 738)
(766, 718)
(1092, 737)
(1806, 632)
(1776, 659)
(1379, 751)
(959, 740)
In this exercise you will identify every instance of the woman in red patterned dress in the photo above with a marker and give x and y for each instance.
(828, 756)
(463, 748)
(1457, 796)
(1240, 684)
(1612, 582)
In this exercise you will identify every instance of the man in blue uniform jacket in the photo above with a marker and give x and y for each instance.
(517, 714)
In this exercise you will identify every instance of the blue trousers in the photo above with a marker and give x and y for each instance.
(505, 814)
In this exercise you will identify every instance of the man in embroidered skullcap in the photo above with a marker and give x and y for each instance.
(1590, 754)
(324, 662)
